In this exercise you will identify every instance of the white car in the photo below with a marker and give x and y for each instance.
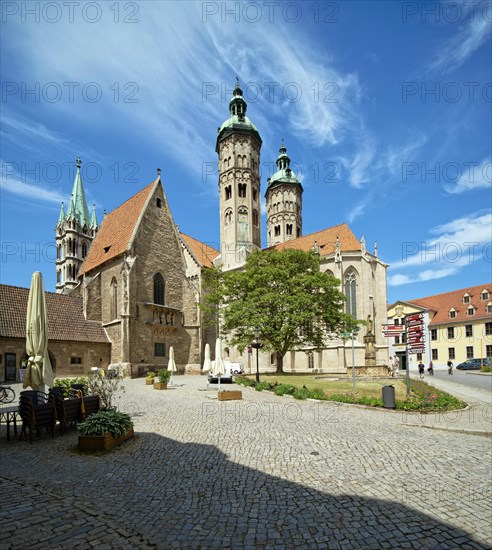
(230, 369)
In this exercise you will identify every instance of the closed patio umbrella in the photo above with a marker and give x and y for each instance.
(207, 363)
(171, 365)
(39, 371)
(219, 367)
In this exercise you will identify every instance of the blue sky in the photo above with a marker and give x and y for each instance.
(385, 109)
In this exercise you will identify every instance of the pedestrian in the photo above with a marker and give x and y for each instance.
(390, 367)
(421, 369)
(450, 367)
(396, 366)
(430, 370)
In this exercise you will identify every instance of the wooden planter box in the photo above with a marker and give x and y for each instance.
(149, 381)
(102, 442)
(159, 386)
(229, 395)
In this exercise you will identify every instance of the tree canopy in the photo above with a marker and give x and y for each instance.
(284, 295)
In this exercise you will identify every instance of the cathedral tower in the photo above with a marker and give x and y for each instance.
(75, 231)
(238, 147)
(283, 202)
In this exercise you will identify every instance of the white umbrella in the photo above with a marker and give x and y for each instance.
(219, 367)
(207, 364)
(39, 369)
(171, 365)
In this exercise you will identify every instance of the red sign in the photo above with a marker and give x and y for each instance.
(393, 328)
(415, 317)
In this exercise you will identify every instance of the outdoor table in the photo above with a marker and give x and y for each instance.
(8, 415)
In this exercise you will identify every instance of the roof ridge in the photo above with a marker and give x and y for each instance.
(129, 199)
(449, 292)
(46, 291)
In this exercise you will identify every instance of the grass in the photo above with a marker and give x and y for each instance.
(423, 398)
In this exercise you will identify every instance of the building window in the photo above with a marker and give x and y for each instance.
(488, 329)
(397, 339)
(241, 190)
(272, 359)
(228, 217)
(435, 355)
(288, 229)
(350, 293)
(255, 194)
(470, 311)
(452, 314)
(113, 306)
(434, 334)
(255, 218)
(469, 352)
(419, 357)
(451, 353)
(450, 333)
(277, 230)
(76, 360)
(469, 330)
(228, 192)
(310, 356)
(159, 287)
(484, 295)
(488, 309)
(298, 232)
(488, 351)
(159, 349)
(84, 249)
(58, 276)
(396, 322)
(158, 202)
(466, 299)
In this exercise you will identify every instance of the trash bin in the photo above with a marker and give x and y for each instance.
(389, 397)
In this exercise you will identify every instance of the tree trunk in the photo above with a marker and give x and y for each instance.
(280, 363)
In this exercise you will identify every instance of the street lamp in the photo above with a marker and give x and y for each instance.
(257, 345)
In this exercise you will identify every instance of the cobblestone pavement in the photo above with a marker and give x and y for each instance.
(266, 472)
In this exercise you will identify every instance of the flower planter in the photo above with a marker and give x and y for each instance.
(229, 395)
(102, 442)
(160, 386)
(149, 381)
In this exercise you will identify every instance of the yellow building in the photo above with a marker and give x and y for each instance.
(457, 326)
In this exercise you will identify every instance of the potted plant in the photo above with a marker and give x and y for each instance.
(149, 379)
(163, 376)
(104, 430)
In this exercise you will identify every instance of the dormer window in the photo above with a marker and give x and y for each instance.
(452, 313)
(470, 311)
(488, 308)
(466, 298)
(484, 295)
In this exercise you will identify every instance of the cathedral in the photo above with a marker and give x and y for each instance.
(142, 279)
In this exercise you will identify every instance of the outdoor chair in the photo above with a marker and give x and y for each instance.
(68, 411)
(91, 405)
(74, 388)
(37, 410)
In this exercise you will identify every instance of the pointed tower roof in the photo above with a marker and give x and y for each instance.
(78, 204)
(61, 217)
(94, 224)
(238, 121)
(284, 174)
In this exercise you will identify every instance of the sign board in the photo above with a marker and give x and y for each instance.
(393, 328)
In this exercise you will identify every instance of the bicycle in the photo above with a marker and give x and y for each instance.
(7, 394)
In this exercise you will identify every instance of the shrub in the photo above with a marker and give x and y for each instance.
(66, 383)
(104, 422)
(302, 393)
(284, 389)
(150, 375)
(164, 376)
(246, 382)
(104, 386)
(260, 386)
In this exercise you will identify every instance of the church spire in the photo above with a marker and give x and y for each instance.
(78, 209)
(61, 217)
(94, 224)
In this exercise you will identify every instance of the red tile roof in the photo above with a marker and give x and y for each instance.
(442, 304)
(203, 253)
(66, 319)
(116, 231)
(326, 239)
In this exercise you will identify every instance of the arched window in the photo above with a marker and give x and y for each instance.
(351, 293)
(255, 218)
(228, 216)
(310, 356)
(113, 306)
(159, 287)
(84, 249)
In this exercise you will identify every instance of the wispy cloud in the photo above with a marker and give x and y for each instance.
(475, 177)
(456, 244)
(32, 193)
(456, 51)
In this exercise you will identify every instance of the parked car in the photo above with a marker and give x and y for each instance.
(230, 370)
(473, 364)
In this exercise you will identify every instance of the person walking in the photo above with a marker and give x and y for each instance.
(396, 366)
(430, 370)
(390, 367)
(450, 367)
(421, 370)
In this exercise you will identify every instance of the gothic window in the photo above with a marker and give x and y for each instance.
(310, 357)
(159, 287)
(228, 192)
(58, 252)
(84, 249)
(242, 214)
(241, 189)
(58, 276)
(351, 293)
(288, 229)
(277, 230)
(255, 194)
(255, 218)
(113, 306)
(228, 217)
(298, 232)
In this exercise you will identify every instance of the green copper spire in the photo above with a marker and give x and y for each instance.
(94, 224)
(284, 174)
(78, 204)
(61, 217)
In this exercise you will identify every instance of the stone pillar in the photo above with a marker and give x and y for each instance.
(370, 355)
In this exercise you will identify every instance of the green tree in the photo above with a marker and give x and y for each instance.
(284, 295)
